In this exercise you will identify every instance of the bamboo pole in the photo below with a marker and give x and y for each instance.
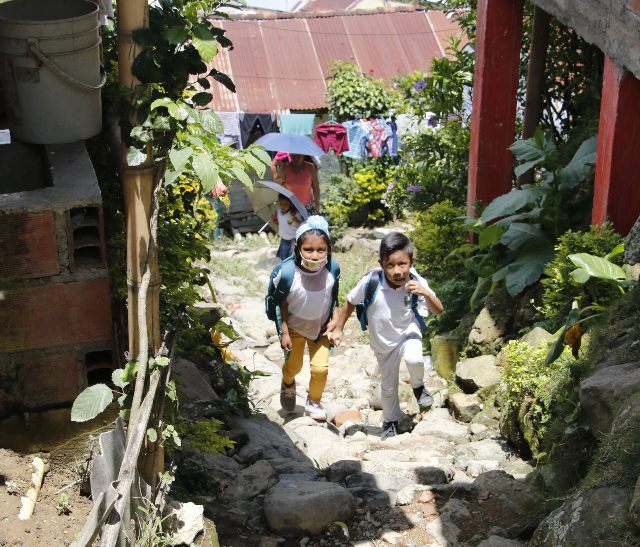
(137, 183)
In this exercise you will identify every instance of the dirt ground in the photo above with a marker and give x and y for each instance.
(60, 511)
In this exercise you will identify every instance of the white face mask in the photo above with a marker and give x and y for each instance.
(313, 265)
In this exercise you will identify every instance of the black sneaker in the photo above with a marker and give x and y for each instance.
(389, 429)
(424, 397)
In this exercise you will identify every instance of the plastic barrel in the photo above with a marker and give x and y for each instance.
(50, 69)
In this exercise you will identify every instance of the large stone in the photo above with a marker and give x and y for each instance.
(477, 372)
(537, 337)
(632, 245)
(184, 521)
(446, 429)
(492, 323)
(250, 482)
(463, 406)
(488, 449)
(497, 541)
(521, 499)
(634, 508)
(296, 508)
(601, 393)
(193, 386)
(586, 518)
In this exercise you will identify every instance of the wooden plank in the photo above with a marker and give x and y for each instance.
(499, 35)
(616, 193)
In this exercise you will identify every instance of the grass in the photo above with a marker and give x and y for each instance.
(353, 265)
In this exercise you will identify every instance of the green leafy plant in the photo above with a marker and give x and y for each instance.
(516, 231)
(96, 398)
(204, 435)
(560, 288)
(591, 267)
(352, 94)
(63, 507)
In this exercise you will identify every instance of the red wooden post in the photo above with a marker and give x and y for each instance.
(616, 193)
(498, 40)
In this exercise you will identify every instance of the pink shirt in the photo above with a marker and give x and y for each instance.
(300, 182)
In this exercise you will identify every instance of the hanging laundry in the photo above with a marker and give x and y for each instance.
(231, 133)
(253, 126)
(297, 124)
(357, 135)
(390, 146)
(331, 136)
(377, 136)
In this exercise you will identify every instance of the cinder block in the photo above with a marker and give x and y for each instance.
(55, 315)
(49, 380)
(28, 246)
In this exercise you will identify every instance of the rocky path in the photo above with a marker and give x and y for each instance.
(292, 481)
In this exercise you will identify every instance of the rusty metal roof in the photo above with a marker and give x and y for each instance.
(281, 63)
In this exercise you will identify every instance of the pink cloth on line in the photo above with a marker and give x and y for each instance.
(331, 136)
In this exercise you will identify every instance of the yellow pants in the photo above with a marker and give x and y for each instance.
(319, 355)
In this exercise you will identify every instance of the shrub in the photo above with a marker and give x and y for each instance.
(437, 232)
(355, 200)
(560, 289)
(352, 94)
(434, 168)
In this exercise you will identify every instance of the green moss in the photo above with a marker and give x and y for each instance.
(539, 403)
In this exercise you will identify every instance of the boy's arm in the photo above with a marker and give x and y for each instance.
(433, 302)
(345, 313)
(285, 339)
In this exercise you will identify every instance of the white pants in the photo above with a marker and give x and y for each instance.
(389, 366)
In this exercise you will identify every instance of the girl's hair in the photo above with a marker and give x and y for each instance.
(394, 242)
(312, 232)
(282, 196)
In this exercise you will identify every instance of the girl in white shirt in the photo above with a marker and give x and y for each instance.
(288, 221)
(308, 314)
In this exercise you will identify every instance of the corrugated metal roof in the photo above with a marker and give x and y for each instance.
(280, 64)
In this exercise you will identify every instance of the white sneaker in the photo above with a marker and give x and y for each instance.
(315, 411)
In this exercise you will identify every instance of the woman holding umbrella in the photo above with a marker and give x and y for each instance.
(301, 177)
(297, 175)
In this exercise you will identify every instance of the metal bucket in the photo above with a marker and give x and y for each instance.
(50, 69)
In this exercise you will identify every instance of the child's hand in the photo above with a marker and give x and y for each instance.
(330, 326)
(414, 286)
(336, 337)
(285, 342)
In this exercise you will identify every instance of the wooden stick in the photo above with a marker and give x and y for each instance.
(29, 501)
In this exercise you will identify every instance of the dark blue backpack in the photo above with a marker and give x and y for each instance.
(372, 284)
(276, 295)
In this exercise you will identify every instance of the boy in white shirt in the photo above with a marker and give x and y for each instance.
(288, 220)
(394, 331)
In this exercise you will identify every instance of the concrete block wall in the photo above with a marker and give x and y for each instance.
(55, 309)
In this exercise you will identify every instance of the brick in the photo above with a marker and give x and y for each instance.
(28, 247)
(55, 315)
(51, 380)
(347, 416)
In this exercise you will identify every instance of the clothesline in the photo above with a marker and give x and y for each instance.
(357, 139)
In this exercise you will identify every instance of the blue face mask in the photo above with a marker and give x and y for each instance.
(313, 265)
